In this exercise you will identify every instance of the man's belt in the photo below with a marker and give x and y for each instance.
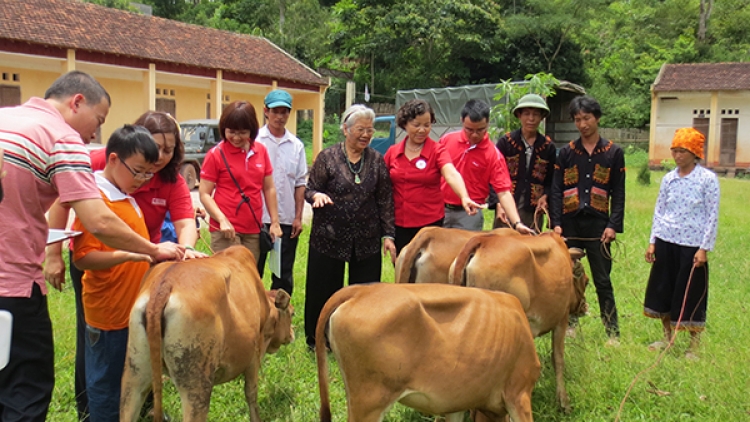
(454, 207)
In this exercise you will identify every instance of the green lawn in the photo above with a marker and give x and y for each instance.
(715, 388)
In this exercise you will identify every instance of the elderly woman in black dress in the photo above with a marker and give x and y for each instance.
(351, 195)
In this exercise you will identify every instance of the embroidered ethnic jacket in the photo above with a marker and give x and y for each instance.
(592, 183)
(532, 182)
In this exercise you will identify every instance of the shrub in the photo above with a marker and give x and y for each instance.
(668, 165)
(644, 175)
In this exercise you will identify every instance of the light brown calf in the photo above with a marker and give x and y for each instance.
(428, 257)
(538, 271)
(207, 321)
(439, 349)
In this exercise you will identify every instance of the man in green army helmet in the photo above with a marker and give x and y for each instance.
(530, 157)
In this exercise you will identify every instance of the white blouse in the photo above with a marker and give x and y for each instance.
(687, 209)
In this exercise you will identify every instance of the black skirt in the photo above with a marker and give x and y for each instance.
(668, 283)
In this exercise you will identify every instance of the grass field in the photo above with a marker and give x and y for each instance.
(714, 388)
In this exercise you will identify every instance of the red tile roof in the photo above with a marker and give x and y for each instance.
(87, 27)
(703, 77)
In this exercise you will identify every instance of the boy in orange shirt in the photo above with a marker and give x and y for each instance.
(112, 277)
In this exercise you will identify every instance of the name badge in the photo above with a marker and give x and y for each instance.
(421, 164)
(159, 201)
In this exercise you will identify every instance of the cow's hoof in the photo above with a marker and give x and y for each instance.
(164, 416)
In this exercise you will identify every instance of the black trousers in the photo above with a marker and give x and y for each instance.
(288, 255)
(404, 235)
(588, 226)
(82, 400)
(26, 383)
(325, 276)
(668, 282)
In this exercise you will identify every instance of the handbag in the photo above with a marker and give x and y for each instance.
(264, 237)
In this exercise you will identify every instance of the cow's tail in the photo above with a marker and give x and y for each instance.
(406, 270)
(457, 275)
(321, 347)
(159, 296)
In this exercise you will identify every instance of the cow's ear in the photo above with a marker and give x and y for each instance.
(282, 299)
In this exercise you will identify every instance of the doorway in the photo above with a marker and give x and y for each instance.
(728, 142)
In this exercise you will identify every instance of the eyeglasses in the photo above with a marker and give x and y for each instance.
(137, 176)
(361, 130)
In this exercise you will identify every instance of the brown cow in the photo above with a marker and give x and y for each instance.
(207, 321)
(537, 270)
(429, 255)
(440, 349)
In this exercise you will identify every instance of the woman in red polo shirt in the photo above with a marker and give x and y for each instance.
(166, 192)
(416, 166)
(234, 174)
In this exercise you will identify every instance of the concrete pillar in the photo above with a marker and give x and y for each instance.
(714, 132)
(149, 86)
(350, 91)
(652, 128)
(217, 94)
(318, 118)
(70, 62)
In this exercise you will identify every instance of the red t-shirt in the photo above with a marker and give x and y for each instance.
(155, 198)
(480, 165)
(250, 168)
(417, 195)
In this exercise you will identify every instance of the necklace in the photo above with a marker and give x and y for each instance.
(415, 149)
(357, 180)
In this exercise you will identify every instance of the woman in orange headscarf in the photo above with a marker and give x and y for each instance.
(684, 230)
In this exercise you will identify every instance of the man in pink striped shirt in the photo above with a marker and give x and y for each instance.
(45, 159)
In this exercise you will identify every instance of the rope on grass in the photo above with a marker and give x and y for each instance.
(669, 345)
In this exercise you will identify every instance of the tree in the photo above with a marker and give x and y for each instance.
(625, 48)
(549, 26)
(114, 4)
(705, 14)
(509, 92)
(417, 44)
(170, 9)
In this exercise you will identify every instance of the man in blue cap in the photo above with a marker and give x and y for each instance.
(287, 154)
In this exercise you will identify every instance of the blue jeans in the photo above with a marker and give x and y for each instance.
(105, 361)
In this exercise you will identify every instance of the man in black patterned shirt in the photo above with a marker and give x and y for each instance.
(587, 203)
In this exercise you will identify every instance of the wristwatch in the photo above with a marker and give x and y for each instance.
(516, 224)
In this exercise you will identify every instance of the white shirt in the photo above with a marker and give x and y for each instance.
(289, 171)
(687, 209)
